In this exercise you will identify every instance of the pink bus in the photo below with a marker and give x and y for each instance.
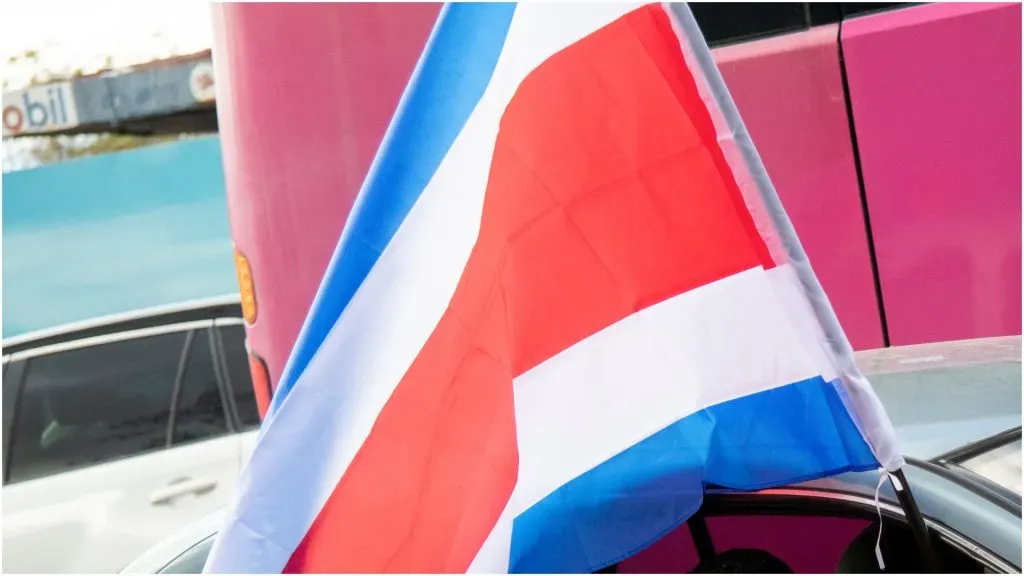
(891, 132)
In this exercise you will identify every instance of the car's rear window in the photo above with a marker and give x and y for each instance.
(1000, 465)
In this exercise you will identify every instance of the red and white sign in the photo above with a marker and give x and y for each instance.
(201, 84)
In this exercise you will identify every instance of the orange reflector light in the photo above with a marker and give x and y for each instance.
(260, 383)
(246, 287)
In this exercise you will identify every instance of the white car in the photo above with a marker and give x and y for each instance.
(120, 431)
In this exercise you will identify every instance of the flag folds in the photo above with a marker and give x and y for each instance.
(566, 300)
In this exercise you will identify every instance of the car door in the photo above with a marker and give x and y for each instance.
(116, 442)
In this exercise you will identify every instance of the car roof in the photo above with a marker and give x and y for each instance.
(226, 306)
(942, 396)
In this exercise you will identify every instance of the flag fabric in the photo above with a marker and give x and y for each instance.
(566, 301)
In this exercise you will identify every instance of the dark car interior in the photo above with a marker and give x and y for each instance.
(742, 536)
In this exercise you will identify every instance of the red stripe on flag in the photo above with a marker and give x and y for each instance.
(608, 193)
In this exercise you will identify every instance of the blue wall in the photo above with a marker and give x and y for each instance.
(114, 233)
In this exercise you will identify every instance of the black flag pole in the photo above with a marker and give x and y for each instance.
(695, 48)
(916, 520)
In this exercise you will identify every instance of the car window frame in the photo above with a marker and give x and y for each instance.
(811, 501)
(223, 372)
(179, 382)
(13, 380)
(153, 317)
(953, 460)
(23, 359)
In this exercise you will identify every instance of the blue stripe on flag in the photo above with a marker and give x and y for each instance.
(445, 88)
(789, 434)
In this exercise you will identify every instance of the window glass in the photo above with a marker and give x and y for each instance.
(727, 22)
(199, 410)
(732, 23)
(238, 373)
(851, 9)
(831, 12)
(796, 542)
(95, 404)
(1000, 465)
(789, 538)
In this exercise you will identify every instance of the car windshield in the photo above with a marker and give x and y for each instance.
(941, 397)
(1000, 465)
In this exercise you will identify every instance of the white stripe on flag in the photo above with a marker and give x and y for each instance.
(715, 343)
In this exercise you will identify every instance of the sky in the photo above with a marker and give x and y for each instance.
(82, 34)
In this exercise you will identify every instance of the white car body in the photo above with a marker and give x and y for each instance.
(157, 558)
(98, 517)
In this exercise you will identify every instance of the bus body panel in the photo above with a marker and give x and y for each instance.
(306, 93)
(936, 97)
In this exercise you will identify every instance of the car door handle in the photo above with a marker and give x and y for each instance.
(180, 487)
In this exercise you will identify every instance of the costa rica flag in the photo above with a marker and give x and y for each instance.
(566, 300)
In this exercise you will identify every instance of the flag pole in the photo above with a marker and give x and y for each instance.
(878, 429)
(916, 520)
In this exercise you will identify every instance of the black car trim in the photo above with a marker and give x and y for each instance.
(219, 358)
(1012, 498)
(14, 383)
(979, 447)
(983, 487)
(179, 376)
(222, 360)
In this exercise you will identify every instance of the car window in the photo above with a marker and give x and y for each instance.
(1000, 465)
(731, 23)
(91, 405)
(805, 544)
(797, 537)
(199, 406)
(240, 378)
(11, 384)
(192, 561)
